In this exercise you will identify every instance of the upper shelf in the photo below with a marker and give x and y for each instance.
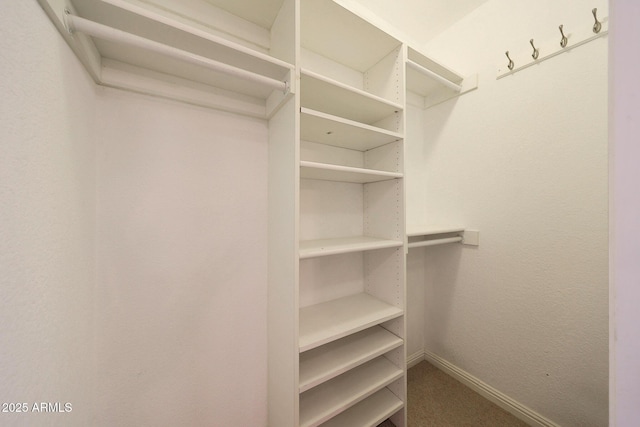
(153, 40)
(332, 97)
(323, 128)
(433, 82)
(333, 32)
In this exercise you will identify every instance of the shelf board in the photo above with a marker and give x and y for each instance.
(327, 400)
(332, 320)
(329, 172)
(370, 412)
(339, 132)
(343, 245)
(330, 360)
(153, 22)
(334, 32)
(429, 231)
(335, 98)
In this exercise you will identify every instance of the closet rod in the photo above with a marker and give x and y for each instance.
(435, 242)
(75, 23)
(427, 72)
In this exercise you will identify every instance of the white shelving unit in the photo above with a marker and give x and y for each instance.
(334, 89)
(351, 327)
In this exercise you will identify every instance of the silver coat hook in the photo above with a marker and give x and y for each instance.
(536, 52)
(510, 61)
(564, 40)
(597, 26)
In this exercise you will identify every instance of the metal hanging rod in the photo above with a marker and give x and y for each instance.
(77, 24)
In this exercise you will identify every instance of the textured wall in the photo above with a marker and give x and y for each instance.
(524, 160)
(47, 221)
(181, 292)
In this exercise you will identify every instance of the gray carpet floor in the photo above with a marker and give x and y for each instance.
(438, 400)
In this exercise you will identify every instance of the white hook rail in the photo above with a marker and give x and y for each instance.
(563, 42)
(77, 24)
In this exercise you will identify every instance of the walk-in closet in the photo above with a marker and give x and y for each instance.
(265, 213)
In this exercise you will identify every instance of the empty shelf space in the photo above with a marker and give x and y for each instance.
(335, 98)
(339, 132)
(342, 245)
(370, 412)
(330, 360)
(328, 172)
(335, 396)
(332, 320)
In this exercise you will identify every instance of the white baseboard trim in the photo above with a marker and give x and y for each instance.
(415, 358)
(505, 402)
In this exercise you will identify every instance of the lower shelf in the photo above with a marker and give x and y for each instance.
(330, 360)
(332, 320)
(368, 413)
(333, 397)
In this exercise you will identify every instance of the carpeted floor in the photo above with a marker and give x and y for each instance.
(438, 400)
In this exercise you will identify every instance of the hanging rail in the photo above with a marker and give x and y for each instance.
(75, 23)
(419, 68)
(435, 242)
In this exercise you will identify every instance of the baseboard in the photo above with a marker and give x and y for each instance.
(505, 402)
(415, 358)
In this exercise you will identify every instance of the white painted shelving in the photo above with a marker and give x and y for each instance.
(322, 364)
(344, 245)
(327, 400)
(336, 162)
(334, 97)
(368, 413)
(167, 48)
(340, 132)
(328, 172)
(332, 320)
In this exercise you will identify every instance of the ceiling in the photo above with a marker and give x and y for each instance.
(421, 19)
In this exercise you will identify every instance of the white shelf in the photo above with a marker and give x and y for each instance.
(368, 413)
(432, 81)
(335, 98)
(330, 30)
(339, 132)
(429, 231)
(328, 172)
(343, 245)
(330, 360)
(156, 23)
(332, 320)
(322, 403)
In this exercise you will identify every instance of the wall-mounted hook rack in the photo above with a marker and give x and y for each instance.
(551, 48)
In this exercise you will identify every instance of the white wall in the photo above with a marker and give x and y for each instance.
(47, 221)
(625, 214)
(523, 160)
(173, 330)
(182, 253)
